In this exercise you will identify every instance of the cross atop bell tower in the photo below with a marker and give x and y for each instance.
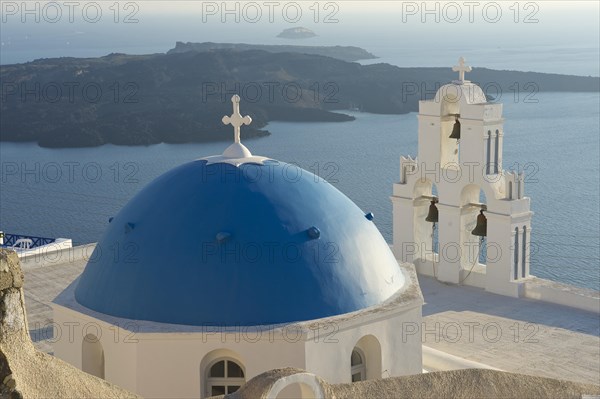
(461, 68)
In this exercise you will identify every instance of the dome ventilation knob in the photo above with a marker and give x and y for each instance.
(222, 237)
(314, 233)
(129, 227)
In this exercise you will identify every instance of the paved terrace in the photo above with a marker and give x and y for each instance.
(516, 335)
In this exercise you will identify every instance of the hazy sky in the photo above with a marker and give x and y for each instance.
(569, 27)
(542, 21)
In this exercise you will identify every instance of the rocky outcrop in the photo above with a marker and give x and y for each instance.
(344, 53)
(455, 384)
(26, 372)
(181, 96)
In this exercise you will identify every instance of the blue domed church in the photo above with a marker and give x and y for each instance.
(261, 265)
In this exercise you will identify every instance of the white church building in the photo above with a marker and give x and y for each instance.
(258, 267)
(261, 267)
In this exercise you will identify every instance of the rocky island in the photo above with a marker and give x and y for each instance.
(147, 99)
(344, 53)
(297, 33)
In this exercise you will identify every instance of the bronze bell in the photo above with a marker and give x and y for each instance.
(456, 130)
(433, 215)
(481, 228)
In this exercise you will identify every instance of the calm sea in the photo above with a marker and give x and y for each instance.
(72, 192)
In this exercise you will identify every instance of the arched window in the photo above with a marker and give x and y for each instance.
(225, 376)
(92, 356)
(358, 366)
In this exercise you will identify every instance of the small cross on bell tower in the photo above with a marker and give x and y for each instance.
(461, 68)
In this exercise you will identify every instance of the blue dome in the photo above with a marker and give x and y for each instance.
(254, 244)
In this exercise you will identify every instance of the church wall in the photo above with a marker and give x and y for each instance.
(404, 247)
(65, 348)
(118, 344)
(329, 358)
(175, 365)
(429, 131)
(404, 352)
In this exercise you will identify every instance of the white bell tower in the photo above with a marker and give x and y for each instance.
(458, 172)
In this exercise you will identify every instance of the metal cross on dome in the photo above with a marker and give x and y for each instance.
(461, 68)
(236, 119)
